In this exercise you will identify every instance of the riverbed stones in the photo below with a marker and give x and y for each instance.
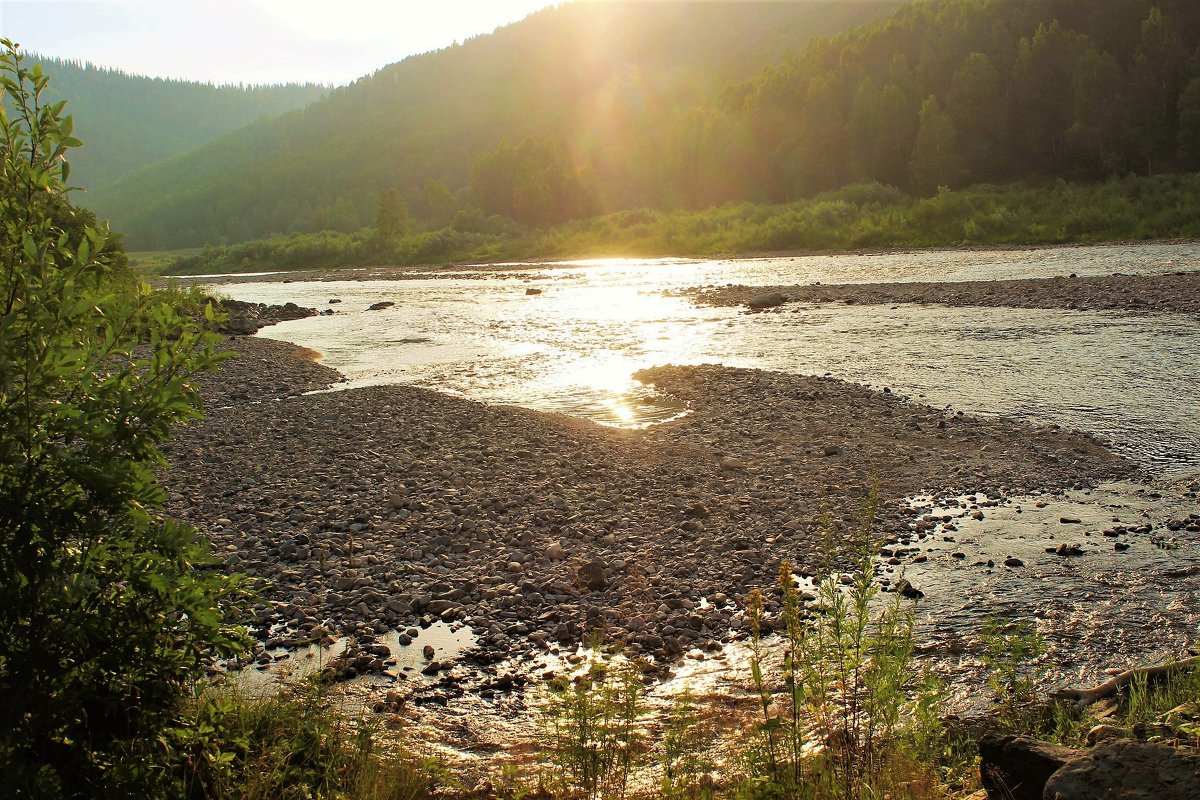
(393, 507)
(1179, 293)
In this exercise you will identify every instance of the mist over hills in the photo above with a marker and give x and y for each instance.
(130, 121)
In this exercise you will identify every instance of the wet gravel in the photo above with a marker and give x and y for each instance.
(383, 508)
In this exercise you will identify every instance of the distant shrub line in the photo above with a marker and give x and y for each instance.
(867, 215)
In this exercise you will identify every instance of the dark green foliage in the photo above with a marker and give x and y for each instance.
(391, 215)
(935, 161)
(1189, 126)
(106, 617)
(534, 184)
(130, 121)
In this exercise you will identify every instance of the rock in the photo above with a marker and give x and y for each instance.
(440, 607)
(1123, 769)
(1013, 562)
(768, 300)
(1066, 550)
(555, 552)
(1017, 767)
(427, 651)
(531, 291)
(380, 305)
(1103, 733)
(832, 450)
(240, 326)
(906, 589)
(591, 576)
(1070, 520)
(731, 463)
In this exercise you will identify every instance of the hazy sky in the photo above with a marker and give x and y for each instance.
(251, 41)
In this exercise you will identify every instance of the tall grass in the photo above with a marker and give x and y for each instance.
(855, 717)
(1010, 654)
(592, 727)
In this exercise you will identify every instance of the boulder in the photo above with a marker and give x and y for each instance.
(1017, 767)
(240, 326)
(1123, 769)
(380, 305)
(1021, 768)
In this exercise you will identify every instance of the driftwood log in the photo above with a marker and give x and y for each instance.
(1110, 687)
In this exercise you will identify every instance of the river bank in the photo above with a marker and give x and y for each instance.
(1176, 293)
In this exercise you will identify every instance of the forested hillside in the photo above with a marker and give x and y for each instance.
(130, 121)
(593, 108)
(955, 92)
(572, 104)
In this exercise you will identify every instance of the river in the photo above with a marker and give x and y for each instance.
(572, 348)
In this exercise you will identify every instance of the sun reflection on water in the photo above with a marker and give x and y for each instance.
(574, 347)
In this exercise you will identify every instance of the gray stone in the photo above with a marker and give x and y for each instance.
(240, 326)
(1017, 767)
(1123, 769)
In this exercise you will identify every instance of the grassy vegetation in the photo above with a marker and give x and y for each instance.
(291, 745)
(854, 217)
(149, 263)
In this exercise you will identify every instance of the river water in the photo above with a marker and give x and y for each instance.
(573, 348)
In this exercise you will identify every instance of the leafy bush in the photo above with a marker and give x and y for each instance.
(106, 617)
(1010, 651)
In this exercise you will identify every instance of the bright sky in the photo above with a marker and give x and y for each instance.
(251, 41)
